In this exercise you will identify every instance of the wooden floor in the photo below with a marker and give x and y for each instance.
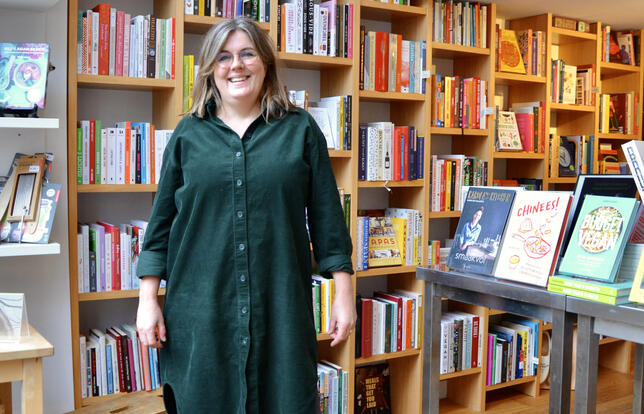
(614, 396)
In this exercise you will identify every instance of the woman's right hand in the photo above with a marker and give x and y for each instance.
(149, 317)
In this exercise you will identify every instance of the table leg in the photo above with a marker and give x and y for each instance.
(638, 380)
(560, 362)
(431, 356)
(586, 375)
(5, 397)
(32, 386)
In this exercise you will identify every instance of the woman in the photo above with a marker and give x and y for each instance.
(470, 233)
(240, 176)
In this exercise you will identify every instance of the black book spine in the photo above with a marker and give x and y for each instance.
(152, 41)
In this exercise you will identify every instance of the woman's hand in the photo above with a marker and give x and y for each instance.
(149, 318)
(343, 311)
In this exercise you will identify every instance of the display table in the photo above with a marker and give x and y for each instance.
(595, 318)
(22, 361)
(518, 299)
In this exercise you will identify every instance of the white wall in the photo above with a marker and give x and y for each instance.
(44, 279)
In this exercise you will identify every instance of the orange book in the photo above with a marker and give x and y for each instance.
(283, 28)
(408, 304)
(398, 63)
(103, 10)
(145, 364)
(382, 61)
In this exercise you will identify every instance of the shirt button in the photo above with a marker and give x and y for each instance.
(240, 214)
(242, 247)
(238, 154)
(244, 340)
(239, 183)
(242, 278)
(244, 310)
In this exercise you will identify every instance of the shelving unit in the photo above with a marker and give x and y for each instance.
(28, 249)
(29, 123)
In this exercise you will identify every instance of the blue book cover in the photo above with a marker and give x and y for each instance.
(480, 228)
(108, 364)
(599, 237)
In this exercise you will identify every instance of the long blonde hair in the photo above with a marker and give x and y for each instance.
(273, 99)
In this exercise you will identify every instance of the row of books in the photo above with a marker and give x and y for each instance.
(609, 161)
(437, 255)
(528, 120)
(521, 51)
(620, 47)
(129, 153)
(618, 113)
(460, 345)
(392, 237)
(571, 155)
(114, 360)
(112, 42)
(315, 28)
(258, 10)
(389, 152)
(513, 350)
(323, 293)
(451, 173)
(333, 388)
(461, 23)
(458, 102)
(388, 322)
(108, 255)
(390, 64)
(571, 84)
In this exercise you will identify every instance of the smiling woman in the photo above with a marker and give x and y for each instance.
(242, 175)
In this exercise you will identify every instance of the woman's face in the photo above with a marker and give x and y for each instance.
(476, 217)
(239, 70)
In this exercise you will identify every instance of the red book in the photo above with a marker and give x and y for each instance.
(145, 366)
(103, 11)
(174, 22)
(477, 108)
(398, 137)
(120, 36)
(443, 183)
(119, 357)
(92, 150)
(404, 175)
(126, 358)
(475, 341)
(525, 123)
(398, 63)
(366, 328)
(399, 317)
(116, 253)
(130, 355)
(382, 61)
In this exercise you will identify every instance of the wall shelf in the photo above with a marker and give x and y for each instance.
(29, 123)
(28, 249)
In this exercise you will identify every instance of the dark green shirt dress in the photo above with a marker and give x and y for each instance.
(228, 233)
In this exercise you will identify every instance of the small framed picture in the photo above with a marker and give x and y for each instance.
(25, 197)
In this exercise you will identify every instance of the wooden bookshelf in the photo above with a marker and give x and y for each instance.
(460, 131)
(301, 61)
(375, 10)
(521, 155)
(201, 24)
(513, 79)
(463, 373)
(376, 96)
(123, 83)
(116, 188)
(510, 383)
(113, 294)
(444, 214)
(389, 270)
(450, 51)
(387, 356)
(391, 184)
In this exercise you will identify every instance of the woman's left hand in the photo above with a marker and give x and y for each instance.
(343, 311)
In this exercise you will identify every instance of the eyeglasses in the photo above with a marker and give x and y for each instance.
(226, 59)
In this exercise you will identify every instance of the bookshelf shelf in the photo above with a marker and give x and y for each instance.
(503, 78)
(323, 337)
(28, 249)
(509, 383)
(201, 24)
(450, 51)
(611, 69)
(617, 136)
(444, 214)
(374, 10)
(117, 188)
(520, 155)
(304, 61)
(563, 36)
(380, 271)
(492, 312)
(569, 107)
(459, 131)
(462, 373)
(376, 96)
(29, 123)
(113, 294)
(608, 341)
(387, 356)
(123, 83)
(563, 180)
(339, 154)
(388, 184)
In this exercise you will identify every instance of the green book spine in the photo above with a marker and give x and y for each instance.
(618, 289)
(316, 307)
(610, 300)
(347, 210)
(186, 76)
(388, 321)
(493, 350)
(97, 151)
(79, 156)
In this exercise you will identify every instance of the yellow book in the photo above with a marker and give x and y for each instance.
(191, 78)
(186, 83)
(383, 248)
(510, 59)
(400, 228)
(202, 7)
(637, 290)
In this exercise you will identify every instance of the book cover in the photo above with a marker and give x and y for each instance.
(39, 230)
(23, 75)
(610, 300)
(531, 238)
(383, 248)
(372, 393)
(569, 84)
(480, 229)
(510, 59)
(637, 289)
(508, 137)
(598, 238)
(615, 289)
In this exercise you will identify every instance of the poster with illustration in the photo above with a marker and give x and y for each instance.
(532, 236)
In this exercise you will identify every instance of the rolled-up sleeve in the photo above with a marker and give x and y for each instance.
(154, 257)
(329, 234)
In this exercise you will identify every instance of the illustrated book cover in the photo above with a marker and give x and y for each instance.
(508, 137)
(372, 394)
(23, 75)
(510, 59)
(532, 236)
(479, 230)
(383, 247)
(599, 237)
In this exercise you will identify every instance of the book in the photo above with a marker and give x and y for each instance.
(480, 229)
(599, 237)
(372, 392)
(23, 75)
(37, 231)
(510, 59)
(532, 236)
(584, 294)
(383, 248)
(637, 288)
(616, 289)
(507, 136)
(634, 153)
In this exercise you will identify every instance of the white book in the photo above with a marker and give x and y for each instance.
(85, 135)
(189, 7)
(169, 47)
(290, 27)
(157, 50)
(83, 365)
(497, 367)
(104, 152)
(84, 228)
(132, 176)
(321, 117)
(404, 58)
(333, 110)
(316, 30)
(81, 262)
(372, 153)
(484, 27)
(100, 256)
(112, 48)
(99, 337)
(111, 155)
(324, 31)
(299, 25)
(445, 345)
(108, 261)
(125, 252)
(159, 137)
(126, 44)
(120, 155)
(148, 164)
(95, 29)
(367, 73)
(144, 48)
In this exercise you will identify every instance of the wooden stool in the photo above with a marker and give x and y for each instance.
(143, 402)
